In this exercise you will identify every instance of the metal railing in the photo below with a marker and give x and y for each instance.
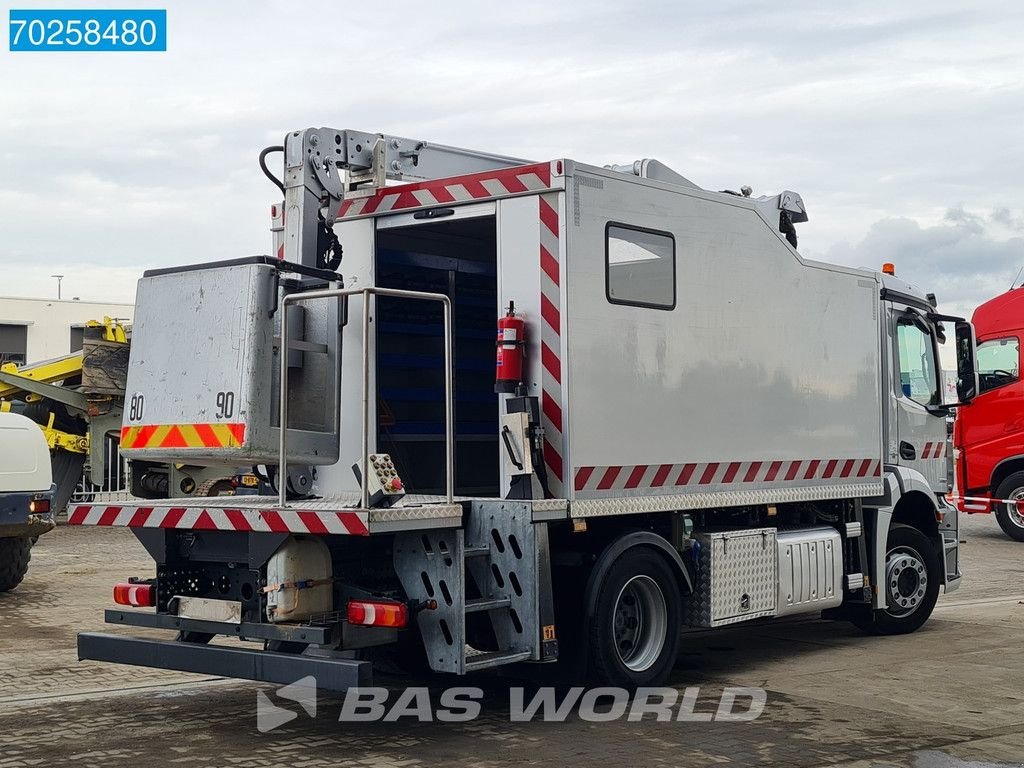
(116, 484)
(449, 399)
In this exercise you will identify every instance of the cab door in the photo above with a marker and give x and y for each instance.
(921, 431)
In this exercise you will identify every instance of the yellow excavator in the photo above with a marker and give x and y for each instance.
(76, 400)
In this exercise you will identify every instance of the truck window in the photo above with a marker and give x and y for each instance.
(998, 362)
(918, 372)
(640, 267)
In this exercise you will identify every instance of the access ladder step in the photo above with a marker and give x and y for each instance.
(494, 659)
(476, 551)
(487, 604)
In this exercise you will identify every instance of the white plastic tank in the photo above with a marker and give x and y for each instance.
(301, 571)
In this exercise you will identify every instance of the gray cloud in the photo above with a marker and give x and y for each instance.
(965, 259)
(113, 163)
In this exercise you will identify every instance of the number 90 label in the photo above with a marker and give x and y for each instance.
(88, 30)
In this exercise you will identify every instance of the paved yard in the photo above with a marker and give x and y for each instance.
(949, 696)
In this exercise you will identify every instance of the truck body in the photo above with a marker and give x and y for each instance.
(26, 490)
(988, 433)
(708, 429)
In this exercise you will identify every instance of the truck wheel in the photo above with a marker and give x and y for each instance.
(1008, 516)
(14, 557)
(913, 573)
(634, 633)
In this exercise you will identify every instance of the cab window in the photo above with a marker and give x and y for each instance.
(998, 362)
(919, 379)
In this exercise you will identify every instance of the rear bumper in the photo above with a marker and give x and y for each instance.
(243, 663)
(17, 521)
(33, 525)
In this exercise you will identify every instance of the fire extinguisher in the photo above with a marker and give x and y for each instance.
(511, 351)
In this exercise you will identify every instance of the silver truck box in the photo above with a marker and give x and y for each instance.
(705, 361)
(203, 373)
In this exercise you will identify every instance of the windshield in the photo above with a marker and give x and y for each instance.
(998, 362)
(919, 378)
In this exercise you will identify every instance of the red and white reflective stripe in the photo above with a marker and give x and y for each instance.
(982, 503)
(500, 182)
(933, 450)
(551, 342)
(218, 519)
(737, 473)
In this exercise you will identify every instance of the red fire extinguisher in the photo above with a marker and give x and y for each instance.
(511, 350)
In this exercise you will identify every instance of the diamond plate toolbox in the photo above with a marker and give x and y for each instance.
(736, 578)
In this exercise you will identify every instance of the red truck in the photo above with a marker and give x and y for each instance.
(989, 432)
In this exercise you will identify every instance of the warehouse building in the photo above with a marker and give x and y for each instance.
(40, 329)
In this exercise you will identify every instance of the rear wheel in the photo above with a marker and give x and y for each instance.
(1011, 516)
(913, 573)
(14, 557)
(634, 633)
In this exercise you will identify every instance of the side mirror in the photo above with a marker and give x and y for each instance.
(966, 365)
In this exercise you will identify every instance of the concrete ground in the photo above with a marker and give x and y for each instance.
(949, 696)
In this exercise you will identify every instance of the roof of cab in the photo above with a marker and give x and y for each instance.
(1003, 313)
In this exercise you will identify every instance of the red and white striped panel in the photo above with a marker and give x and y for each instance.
(933, 450)
(501, 182)
(730, 473)
(551, 342)
(218, 519)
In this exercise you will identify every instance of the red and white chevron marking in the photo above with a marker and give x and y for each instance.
(501, 182)
(218, 519)
(933, 450)
(731, 473)
(551, 342)
(976, 504)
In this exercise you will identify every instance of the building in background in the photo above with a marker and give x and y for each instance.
(39, 329)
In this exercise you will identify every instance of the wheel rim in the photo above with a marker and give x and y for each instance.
(639, 623)
(906, 579)
(1013, 511)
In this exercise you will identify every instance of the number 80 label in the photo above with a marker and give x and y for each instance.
(88, 30)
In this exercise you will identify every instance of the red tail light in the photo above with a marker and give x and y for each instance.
(377, 613)
(138, 595)
(39, 506)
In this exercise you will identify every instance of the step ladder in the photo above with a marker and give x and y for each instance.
(495, 555)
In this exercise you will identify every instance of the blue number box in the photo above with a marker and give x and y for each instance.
(87, 30)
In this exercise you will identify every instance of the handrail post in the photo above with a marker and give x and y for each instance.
(449, 403)
(282, 445)
(364, 489)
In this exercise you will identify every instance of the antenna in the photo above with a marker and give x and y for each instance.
(1017, 277)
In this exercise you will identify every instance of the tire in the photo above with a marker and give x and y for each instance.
(14, 557)
(1009, 519)
(634, 632)
(219, 487)
(913, 574)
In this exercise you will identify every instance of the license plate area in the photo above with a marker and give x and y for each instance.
(207, 609)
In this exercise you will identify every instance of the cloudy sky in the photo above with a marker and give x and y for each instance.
(900, 123)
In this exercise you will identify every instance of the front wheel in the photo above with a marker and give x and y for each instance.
(1008, 513)
(634, 633)
(913, 573)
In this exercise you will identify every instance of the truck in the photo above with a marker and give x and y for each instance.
(26, 490)
(525, 412)
(988, 434)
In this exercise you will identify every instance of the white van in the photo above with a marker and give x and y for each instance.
(26, 491)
